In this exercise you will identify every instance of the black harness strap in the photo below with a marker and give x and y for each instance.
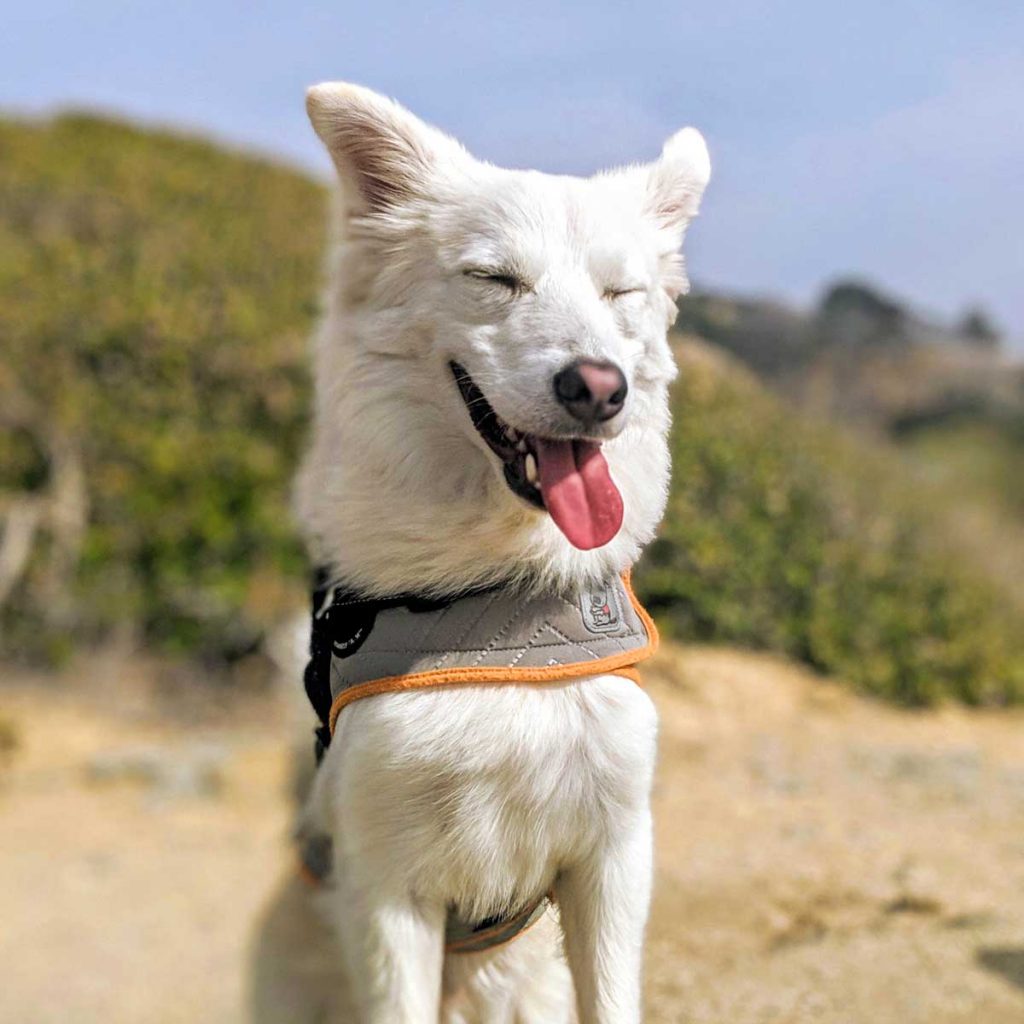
(317, 675)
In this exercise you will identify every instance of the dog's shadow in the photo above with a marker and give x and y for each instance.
(1006, 961)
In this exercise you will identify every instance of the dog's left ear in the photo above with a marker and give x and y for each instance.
(676, 182)
(384, 154)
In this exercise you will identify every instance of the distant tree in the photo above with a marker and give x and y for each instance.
(854, 315)
(977, 329)
(767, 335)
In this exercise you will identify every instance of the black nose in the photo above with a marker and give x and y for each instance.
(592, 390)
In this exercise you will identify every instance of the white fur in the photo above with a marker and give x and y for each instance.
(485, 797)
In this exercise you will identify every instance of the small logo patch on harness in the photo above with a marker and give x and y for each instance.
(600, 610)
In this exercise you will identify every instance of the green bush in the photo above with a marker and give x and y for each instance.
(783, 535)
(155, 298)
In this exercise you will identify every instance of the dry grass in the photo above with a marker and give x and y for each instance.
(821, 858)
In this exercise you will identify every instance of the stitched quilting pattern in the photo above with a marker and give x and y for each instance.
(499, 630)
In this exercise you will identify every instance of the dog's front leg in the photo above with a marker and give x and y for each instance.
(394, 951)
(604, 900)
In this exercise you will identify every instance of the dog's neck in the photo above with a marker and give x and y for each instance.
(395, 496)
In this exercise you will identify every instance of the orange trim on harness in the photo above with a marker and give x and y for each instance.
(622, 664)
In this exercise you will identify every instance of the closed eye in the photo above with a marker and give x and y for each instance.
(502, 278)
(623, 290)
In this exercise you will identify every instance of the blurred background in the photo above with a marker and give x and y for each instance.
(840, 575)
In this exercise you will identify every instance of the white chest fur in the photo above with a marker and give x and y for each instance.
(478, 795)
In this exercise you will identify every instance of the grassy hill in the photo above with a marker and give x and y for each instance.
(784, 533)
(155, 296)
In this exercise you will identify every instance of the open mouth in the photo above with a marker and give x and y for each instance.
(568, 477)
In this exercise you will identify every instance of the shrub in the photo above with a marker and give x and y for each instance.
(783, 535)
(155, 297)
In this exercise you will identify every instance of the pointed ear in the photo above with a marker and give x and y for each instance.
(676, 182)
(384, 155)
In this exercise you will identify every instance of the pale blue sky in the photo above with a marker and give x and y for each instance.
(881, 138)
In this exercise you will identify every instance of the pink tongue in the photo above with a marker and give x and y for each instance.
(578, 491)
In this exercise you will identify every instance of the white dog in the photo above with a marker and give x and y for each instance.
(491, 411)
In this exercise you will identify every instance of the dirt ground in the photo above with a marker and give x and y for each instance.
(821, 859)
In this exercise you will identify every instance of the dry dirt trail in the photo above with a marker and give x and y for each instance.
(821, 859)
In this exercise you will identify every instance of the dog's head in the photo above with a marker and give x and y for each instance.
(495, 348)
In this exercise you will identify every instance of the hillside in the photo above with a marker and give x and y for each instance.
(865, 357)
(155, 297)
(946, 399)
(785, 534)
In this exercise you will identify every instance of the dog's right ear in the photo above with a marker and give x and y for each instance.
(677, 180)
(385, 156)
